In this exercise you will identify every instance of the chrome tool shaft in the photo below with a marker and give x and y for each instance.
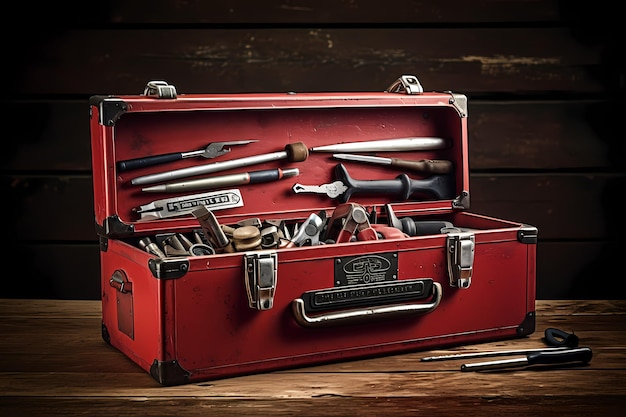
(253, 177)
(294, 152)
(546, 357)
(386, 145)
(473, 355)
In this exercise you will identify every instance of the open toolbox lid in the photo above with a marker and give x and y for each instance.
(286, 131)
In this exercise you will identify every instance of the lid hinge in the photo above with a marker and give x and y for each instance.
(460, 258)
(159, 89)
(261, 276)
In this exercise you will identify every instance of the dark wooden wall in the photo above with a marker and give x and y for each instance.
(544, 81)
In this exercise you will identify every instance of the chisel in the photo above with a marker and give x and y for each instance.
(546, 357)
(432, 166)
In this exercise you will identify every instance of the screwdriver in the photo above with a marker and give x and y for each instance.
(432, 166)
(253, 177)
(582, 355)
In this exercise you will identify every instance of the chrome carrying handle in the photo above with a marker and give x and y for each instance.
(409, 84)
(360, 315)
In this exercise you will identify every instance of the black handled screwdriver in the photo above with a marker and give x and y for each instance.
(545, 357)
(212, 150)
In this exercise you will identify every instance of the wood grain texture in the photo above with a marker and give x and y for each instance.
(329, 11)
(515, 136)
(75, 371)
(567, 206)
(543, 78)
(86, 62)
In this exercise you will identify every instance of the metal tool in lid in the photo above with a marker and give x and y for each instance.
(180, 206)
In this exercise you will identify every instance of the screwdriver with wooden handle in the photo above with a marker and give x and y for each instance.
(430, 166)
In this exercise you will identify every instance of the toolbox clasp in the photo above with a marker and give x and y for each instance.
(261, 276)
(409, 84)
(460, 248)
(159, 89)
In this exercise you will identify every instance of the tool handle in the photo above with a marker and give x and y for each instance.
(402, 187)
(561, 356)
(432, 166)
(148, 161)
(557, 337)
(266, 175)
(423, 227)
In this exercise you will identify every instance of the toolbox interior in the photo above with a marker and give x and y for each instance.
(152, 133)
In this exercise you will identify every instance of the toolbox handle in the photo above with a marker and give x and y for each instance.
(366, 314)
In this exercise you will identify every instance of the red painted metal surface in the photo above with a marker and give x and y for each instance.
(200, 323)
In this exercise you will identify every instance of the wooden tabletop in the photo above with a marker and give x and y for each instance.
(53, 361)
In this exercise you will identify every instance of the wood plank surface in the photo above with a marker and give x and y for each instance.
(511, 136)
(323, 11)
(544, 201)
(278, 60)
(53, 361)
(543, 80)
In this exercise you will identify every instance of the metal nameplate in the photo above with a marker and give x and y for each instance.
(366, 269)
(367, 295)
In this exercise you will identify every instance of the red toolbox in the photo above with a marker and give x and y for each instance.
(245, 233)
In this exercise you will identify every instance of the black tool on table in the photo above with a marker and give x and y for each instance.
(556, 337)
(562, 349)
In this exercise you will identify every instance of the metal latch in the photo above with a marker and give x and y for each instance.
(261, 274)
(159, 89)
(406, 83)
(460, 258)
(119, 281)
(124, 302)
